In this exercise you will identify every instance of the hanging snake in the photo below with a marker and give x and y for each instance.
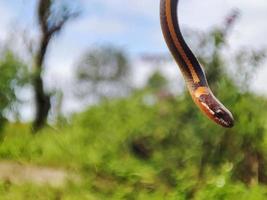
(191, 69)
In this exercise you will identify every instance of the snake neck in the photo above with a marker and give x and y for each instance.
(182, 54)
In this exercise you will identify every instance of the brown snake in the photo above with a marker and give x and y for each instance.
(191, 69)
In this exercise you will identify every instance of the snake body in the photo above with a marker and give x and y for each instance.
(191, 69)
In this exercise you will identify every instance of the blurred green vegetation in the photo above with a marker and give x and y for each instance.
(152, 144)
(146, 147)
(13, 77)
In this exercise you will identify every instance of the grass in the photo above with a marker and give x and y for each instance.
(121, 149)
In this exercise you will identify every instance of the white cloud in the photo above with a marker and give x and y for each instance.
(6, 16)
(97, 25)
(130, 7)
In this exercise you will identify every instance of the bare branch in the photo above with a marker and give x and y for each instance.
(43, 13)
(56, 28)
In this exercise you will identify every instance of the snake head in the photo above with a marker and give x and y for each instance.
(211, 106)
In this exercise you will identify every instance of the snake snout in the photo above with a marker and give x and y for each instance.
(224, 117)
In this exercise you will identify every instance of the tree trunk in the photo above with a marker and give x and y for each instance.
(49, 27)
(42, 100)
(249, 169)
(43, 105)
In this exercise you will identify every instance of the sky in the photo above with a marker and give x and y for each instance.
(134, 26)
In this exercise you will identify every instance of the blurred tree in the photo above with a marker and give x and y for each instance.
(247, 61)
(13, 76)
(52, 16)
(209, 49)
(157, 81)
(103, 72)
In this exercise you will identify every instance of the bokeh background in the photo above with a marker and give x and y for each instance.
(94, 107)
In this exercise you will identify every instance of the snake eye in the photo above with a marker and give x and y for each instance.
(219, 113)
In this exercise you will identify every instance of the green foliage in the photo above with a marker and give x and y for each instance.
(157, 81)
(13, 76)
(104, 146)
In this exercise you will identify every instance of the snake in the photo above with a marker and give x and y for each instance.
(190, 67)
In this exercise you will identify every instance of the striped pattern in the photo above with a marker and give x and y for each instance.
(191, 69)
(177, 43)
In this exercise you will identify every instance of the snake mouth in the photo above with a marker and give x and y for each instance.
(215, 110)
(224, 117)
(221, 116)
(222, 122)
